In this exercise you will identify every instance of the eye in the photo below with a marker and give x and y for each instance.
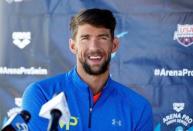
(84, 37)
(104, 38)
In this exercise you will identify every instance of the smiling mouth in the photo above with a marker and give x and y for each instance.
(95, 57)
(95, 60)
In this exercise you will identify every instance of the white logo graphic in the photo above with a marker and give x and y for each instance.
(11, 1)
(116, 122)
(23, 71)
(184, 35)
(173, 73)
(21, 39)
(178, 106)
(178, 117)
(22, 126)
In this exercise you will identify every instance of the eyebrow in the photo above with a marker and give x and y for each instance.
(105, 34)
(100, 35)
(84, 35)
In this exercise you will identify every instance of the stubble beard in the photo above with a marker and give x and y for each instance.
(102, 69)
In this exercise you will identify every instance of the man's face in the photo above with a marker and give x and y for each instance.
(93, 47)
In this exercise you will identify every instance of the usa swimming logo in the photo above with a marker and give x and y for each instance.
(184, 35)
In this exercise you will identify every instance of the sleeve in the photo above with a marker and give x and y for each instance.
(146, 119)
(32, 100)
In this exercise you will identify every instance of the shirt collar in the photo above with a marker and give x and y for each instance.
(80, 83)
(77, 80)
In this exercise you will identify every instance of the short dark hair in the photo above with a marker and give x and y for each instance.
(95, 17)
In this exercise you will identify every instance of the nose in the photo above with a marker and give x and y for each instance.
(94, 44)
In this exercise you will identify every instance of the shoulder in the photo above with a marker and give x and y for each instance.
(38, 93)
(138, 106)
(130, 98)
(51, 81)
(127, 93)
(49, 86)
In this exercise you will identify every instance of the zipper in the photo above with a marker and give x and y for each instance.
(90, 109)
(90, 117)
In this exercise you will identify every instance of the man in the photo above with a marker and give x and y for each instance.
(96, 102)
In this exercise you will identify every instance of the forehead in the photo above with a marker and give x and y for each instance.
(92, 30)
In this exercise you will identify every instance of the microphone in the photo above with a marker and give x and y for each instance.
(18, 122)
(53, 123)
(50, 110)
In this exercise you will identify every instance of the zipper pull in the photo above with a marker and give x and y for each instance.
(90, 116)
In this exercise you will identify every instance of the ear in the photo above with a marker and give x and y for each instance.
(115, 44)
(72, 46)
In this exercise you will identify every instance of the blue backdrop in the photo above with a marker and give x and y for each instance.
(155, 55)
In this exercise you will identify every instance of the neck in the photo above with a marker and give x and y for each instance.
(95, 82)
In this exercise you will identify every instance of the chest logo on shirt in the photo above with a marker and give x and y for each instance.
(116, 122)
(73, 122)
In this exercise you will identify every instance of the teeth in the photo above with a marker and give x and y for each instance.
(95, 57)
